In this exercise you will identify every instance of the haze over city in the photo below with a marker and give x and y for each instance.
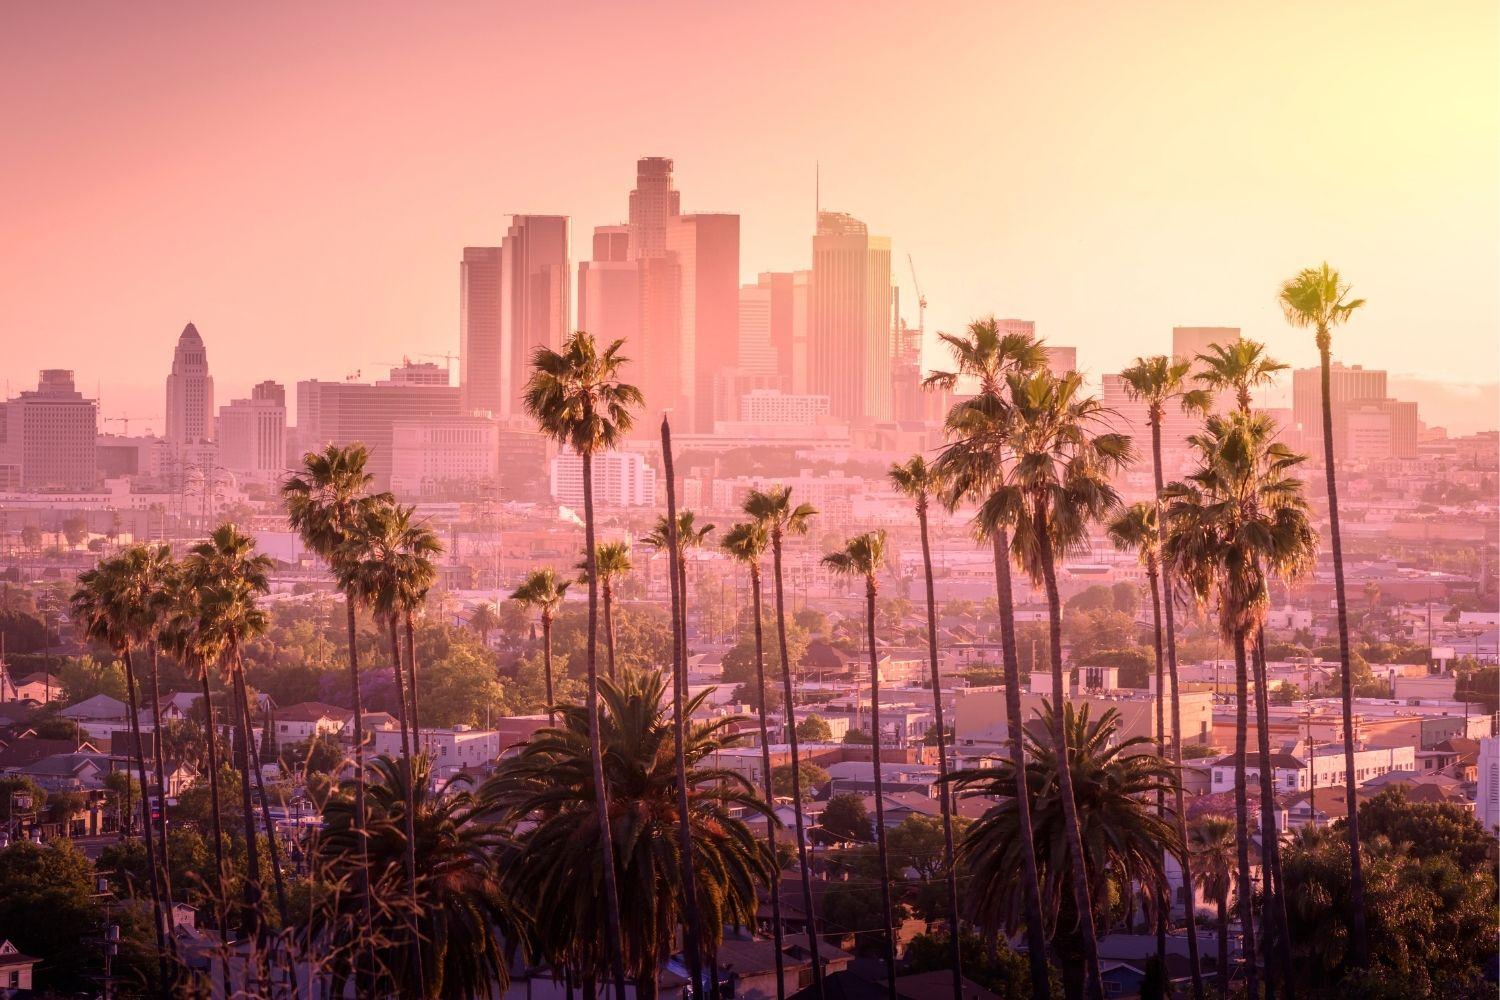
(672, 501)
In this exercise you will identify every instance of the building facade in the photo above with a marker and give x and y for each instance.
(850, 336)
(190, 391)
(49, 437)
(252, 434)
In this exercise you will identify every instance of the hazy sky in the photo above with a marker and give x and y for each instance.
(298, 179)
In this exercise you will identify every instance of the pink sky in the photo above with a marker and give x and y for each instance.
(298, 179)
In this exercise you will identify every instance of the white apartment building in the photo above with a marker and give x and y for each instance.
(621, 479)
(446, 456)
(1487, 796)
(252, 434)
(447, 749)
(1290, 771)
(769, 406)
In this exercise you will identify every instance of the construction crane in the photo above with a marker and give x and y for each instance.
(448, 359)
(126, 418)
(921, 299)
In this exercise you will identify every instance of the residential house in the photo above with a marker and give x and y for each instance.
(15, 968)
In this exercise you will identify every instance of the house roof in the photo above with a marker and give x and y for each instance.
(753, 958)
(312, 711)
(28, 751)
(100, 706)
(39, 677)
(1280, 760)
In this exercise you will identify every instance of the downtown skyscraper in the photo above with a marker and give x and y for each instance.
(190, 392)
(850, 337)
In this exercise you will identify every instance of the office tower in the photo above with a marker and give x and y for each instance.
(535, 301)
(621, 479)
(418, 373)
(479, 329)
(445, 457)
(1385, 427)
(609, 302)
(849, 340)
(252, 434)
(757, 354)
(611, 243)
(347, 412)
(49, 437)
(705, 251)
(653, 204)
(786, 296)
(1061, 360)
(190, 391)
(769, 406)
(524, 453)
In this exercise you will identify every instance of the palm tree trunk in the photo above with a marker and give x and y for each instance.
(945, 794)
(408, 818)
(1273, 908)
(778, 932)
(1224, 944)
(1078, 871)
(1189, 916)
(161, 790)
(1242, 817)
(791, 726)
(220, 900)
(411, 677)
(1036, 939)
(887, 914)
(609, 627)
(278, 883)
(252, 843)
(158, 910)
(1164, 901)
(1359, 938)
(547, 667)
(614, 946)
(693, 929)
(364, 978)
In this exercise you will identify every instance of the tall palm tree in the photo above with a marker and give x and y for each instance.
(464, 915)
(1064, 459)
(230, 577)
(612, 562)
(578, 398)
(544, 592)
(690, 535)
(973, 466)
(862, 557)
(670, 524)
(155, 568)
(372, 565)
(108, 605)
(1123, 836)
(416, 548)
(325, 504)
(1318, 297)
(1159, 381)
(1240, 516)
(921, 482)
(746, 543)
(1211, 842)
(1239, 367)
(555, 872)
(772, 510)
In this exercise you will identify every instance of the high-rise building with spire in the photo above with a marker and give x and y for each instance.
(850, 337)
(190, 392)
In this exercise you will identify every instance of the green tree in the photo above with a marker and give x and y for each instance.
(1318, 297)
(612, 563)
(1428, 829)
(48, 910)
(578, 398)
(808, 775)
(555, 872)
(845, 816)
(814, 730)
(543, 591)
(1212, 846)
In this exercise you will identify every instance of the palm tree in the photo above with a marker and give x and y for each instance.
(463, 916)
(1238, 367)
(325, 505)
(1319, 298)
(577, 397)
(612, 562)
(1240, 516)
(919, 481)
(544, 591)
(746, 543)
(371, 564)
(973, 467)
(772, 511)
(109, 607)
(1061, 479)
(484, 618)
(1159, 381)
(861, 557)
(555, 869)
(689, 536)
(1123, 837)
(1211, 842)
(229, 577)
(416, 546)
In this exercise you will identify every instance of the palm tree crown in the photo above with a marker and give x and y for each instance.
(1158, 380)
(1318, 298)
(1241, 367)
(576, 395)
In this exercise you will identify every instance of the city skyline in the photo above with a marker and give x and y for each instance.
(1152, 239)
